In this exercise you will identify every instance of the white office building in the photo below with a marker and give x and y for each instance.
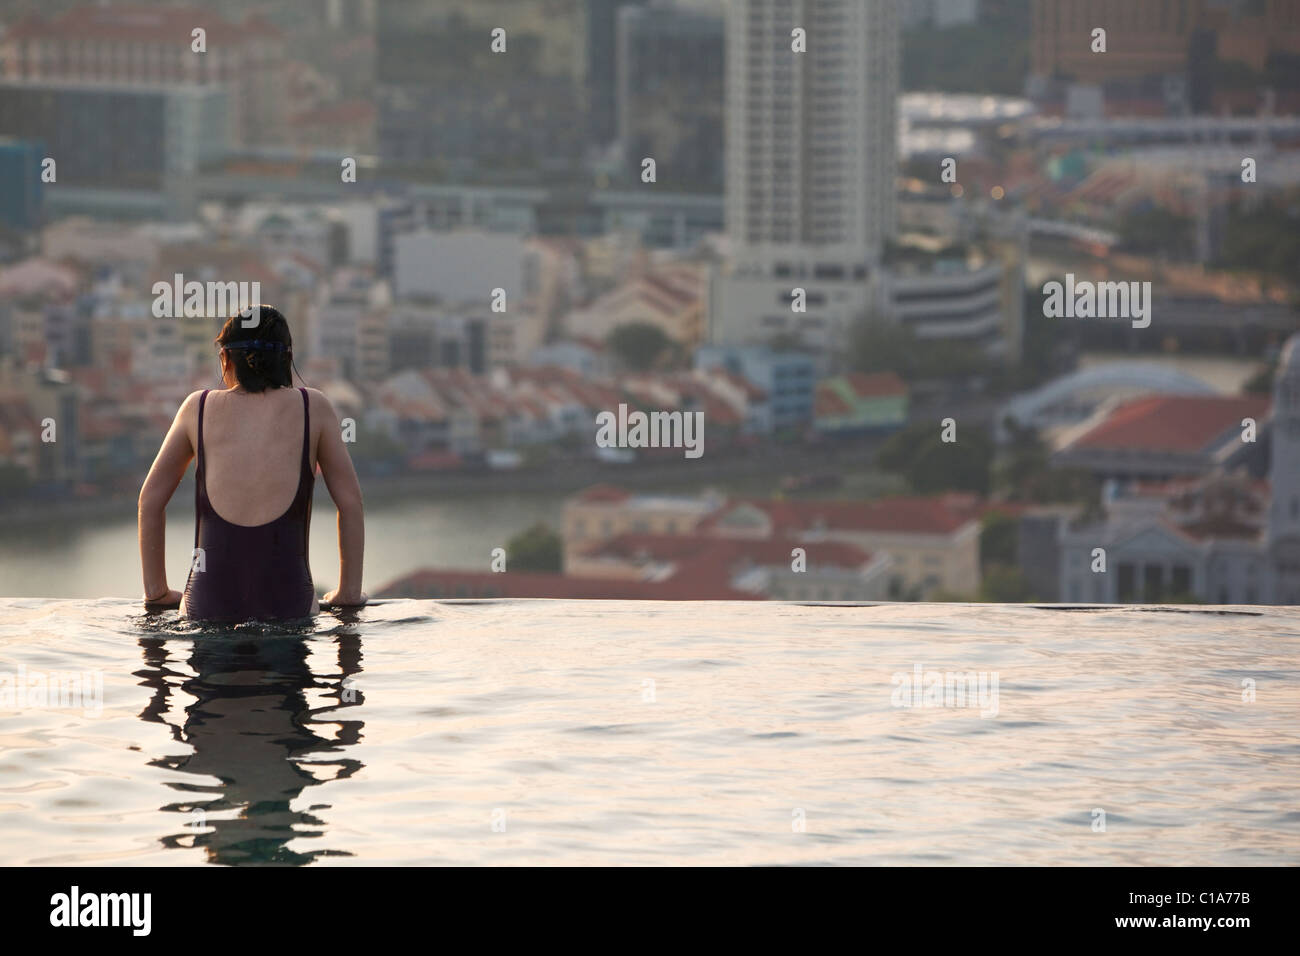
(811, 156)
(810, 144)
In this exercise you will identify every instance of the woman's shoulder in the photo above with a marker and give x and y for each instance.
(191, 401)
(188, 412)
(318, 399)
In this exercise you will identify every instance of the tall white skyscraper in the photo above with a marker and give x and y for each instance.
(810, 163)
(810, 136)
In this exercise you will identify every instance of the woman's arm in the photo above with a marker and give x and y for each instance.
(341, 480)
(168, 469)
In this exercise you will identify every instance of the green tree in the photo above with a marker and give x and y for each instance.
(1024, 472)
(998, 540)
(639, 345)
(375, 446)
(931, 465)
(1002, 584)
(898, 451)
(1261, 383)
(876, 345)
(1155, 230)
(1047, 345)
(14, 481)
(535, 549)
(1263, 239)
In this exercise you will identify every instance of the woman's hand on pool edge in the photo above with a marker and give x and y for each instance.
(169, 600)
(337, 599)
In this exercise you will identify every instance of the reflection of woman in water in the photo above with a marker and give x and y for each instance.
(257, 444)
(253, 737)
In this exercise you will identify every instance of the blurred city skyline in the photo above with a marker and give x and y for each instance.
(827, 228)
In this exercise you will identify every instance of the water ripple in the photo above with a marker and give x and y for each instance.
(558, 732)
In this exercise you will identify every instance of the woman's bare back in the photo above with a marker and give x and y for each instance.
(253, 451)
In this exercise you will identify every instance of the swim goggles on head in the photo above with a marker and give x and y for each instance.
(254, 345)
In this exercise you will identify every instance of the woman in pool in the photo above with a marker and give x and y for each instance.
(257, 442)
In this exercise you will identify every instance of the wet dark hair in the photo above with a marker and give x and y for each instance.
(261, 353)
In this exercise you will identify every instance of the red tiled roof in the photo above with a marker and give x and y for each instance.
(716, 411)
(727, 551)
(434, 461)
(346, 111)
(751, 391)
(875, 385)
(604, 494)
(827, 401)
(1221, 527)
(527, 584)
(942, 514)
(307, 261)
(667, 287)
(1178, 423)
(16, 412)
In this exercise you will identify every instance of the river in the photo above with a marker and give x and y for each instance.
(89, 559)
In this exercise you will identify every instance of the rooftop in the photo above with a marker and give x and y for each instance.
(941, 514)
(1172, 423)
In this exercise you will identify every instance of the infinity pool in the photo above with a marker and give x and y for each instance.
(554, 732)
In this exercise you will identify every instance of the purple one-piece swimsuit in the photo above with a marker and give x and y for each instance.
(251, 573)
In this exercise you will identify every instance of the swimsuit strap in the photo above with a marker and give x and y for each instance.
(198, 468)
(200, 492)
(306, 434)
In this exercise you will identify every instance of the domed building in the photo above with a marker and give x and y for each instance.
(1284, 477)
(1212, 533)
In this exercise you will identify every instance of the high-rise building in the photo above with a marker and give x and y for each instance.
(811, 136)
(810, 164)
(175, 130)
(153, 46)
(456, 98)
(1170, 37)
(938, 13)
(670, 94)
(602, 68)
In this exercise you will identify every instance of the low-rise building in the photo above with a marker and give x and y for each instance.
(603, 512)
(671, 297)
(1157, 437)
(959, 294)
(585, 356)
(929, 546)
(752, 404)
(1219, 536)
(933, 542)
(785, 377)
(858, 402)
(1199, 540)
(776, 568)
